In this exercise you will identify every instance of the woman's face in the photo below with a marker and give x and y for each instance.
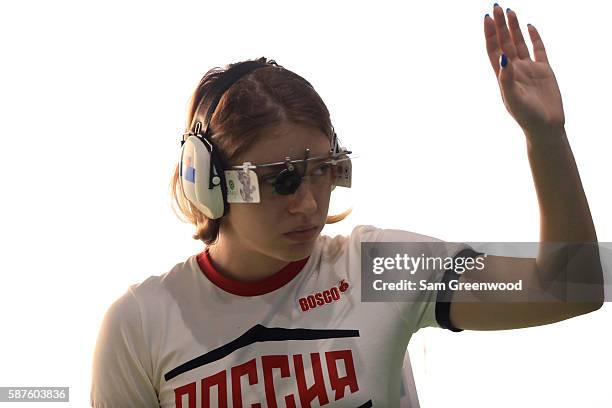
(269, 227)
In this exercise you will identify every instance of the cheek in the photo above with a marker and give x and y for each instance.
(323, 197)
(253, 220)
(271, 207)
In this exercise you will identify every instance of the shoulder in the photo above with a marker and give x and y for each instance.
(121, 316)
(151, 288)
(334, 247)
(128, 315)
(370, 233)
(148, 298)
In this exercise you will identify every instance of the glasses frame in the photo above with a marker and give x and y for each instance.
(250, 179)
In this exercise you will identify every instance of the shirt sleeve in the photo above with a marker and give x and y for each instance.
(121, 374)
(429, 308)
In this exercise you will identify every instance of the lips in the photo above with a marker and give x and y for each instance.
(303, 228)
(304, 233)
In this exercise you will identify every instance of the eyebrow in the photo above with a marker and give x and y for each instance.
(268, 173)
(312, 159)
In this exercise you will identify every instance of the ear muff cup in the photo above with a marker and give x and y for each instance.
(198, 169)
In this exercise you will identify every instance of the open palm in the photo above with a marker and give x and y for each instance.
(529, 88)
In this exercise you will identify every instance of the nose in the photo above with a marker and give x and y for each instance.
(303, 200)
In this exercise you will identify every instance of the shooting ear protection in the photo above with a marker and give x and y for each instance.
(203, 178)
(201, 175)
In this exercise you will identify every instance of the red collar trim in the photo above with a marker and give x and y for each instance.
(261, 287)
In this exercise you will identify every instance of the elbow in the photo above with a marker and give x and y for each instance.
(590, 300)
(594, 306)
(594, 298)
(589, 307)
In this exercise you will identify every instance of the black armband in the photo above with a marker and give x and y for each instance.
(444, 297)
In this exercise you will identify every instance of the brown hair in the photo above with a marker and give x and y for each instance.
(263, 98)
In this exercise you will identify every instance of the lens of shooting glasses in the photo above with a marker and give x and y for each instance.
(288, 182)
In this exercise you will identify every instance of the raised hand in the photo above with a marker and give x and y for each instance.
(529, 88)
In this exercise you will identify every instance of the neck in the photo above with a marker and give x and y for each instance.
(242, 264)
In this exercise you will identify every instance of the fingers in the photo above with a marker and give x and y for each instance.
(538, 46)
(503, 35)
(493, 49)
(517, 35)
(510, 41)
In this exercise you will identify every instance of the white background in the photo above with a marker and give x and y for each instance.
(93, 99)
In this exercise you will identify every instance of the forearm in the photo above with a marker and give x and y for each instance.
(564, 210)
(564, 217)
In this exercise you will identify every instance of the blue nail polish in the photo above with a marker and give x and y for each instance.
(496, 5)
(504, 60)
(508, 10)
(486, 15)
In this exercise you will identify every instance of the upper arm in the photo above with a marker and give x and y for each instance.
(121, 374)
(499, 310)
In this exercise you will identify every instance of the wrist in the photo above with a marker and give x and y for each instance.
(545, 138)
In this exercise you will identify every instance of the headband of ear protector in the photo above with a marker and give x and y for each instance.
(210, 187)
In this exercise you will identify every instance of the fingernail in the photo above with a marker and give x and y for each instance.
(504, 60)
(528, 25)
(486, 15)
(496, 5)
(508, 10)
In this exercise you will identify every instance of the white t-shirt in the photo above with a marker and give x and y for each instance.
(302, 337)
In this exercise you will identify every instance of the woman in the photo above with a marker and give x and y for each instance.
(270, 313)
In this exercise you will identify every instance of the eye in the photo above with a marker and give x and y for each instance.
(321, 169)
